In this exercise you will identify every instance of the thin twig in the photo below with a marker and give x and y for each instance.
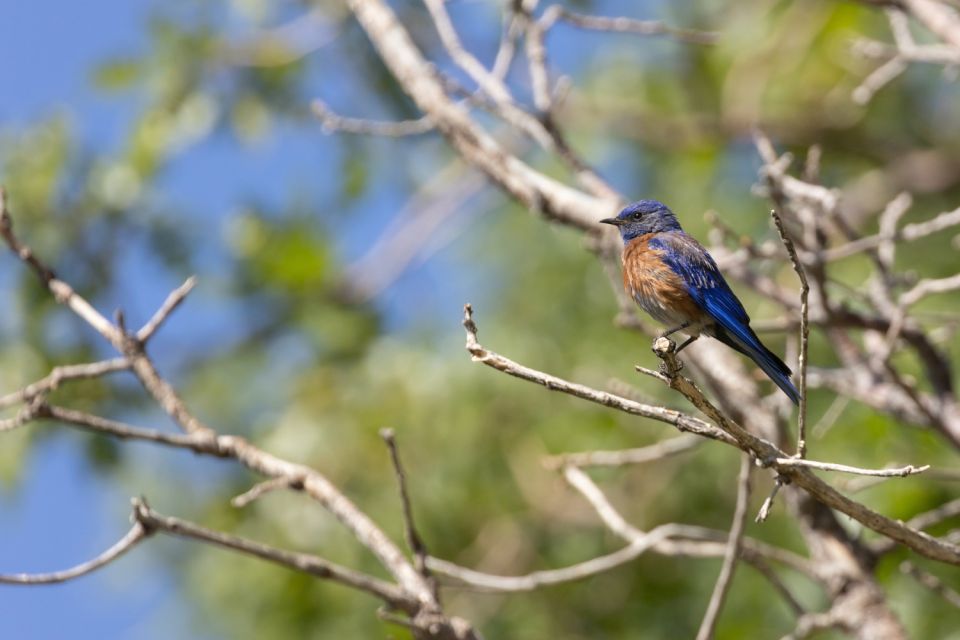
(879, 78)
(669, 539)
(537, 57)
(169, 305)
(928, 287)
(580, 481)
(931, 582)
(938, 17)
(284, 44)
(61, 374)
(641, 455)
(334, 122)
(934, 516)
(125, 431)
(262, 488)
(810, 623)
(722, 587)
(767, 572)
(129, 346)
(24, 416)
(538, 579)
(767, 505)
(543, 132)
(681, 421)
(899, 472)
(804, 332)
(136, 535)
(753, 550)
(414, 541)
(303, 562)
(908, 233)
(830, 416)
(629, 25)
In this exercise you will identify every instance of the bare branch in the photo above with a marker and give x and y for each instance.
(766, 452)
(283, 44)
(856, 485)
(938, 54)
(169, 305)
(24, 416)
(628, 25)
(62, 374)
(668, 539)
(931, 582)
(530, 187)
(61, 291)
(136, 535)
(127, 345)
(544, 133)
(810, 623)
(767, 505)
(775, 168)
(767, 572)
(262, 488)
(333, 122)
(944, 512)
(908, 233)
(538, 579)
(295, 476)
(937, 17)
(537, 57)
(414, 541)
(879, 78)
(928, 287)
(804, 332)
(488, 83)
(124, 431)
(722, 587)
(659, 451)
(680, 420)
(687, 537)
(900, 472)
(579, 480)
(202, 439)
(313, 565)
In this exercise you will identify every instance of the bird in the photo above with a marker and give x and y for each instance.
(675, 280)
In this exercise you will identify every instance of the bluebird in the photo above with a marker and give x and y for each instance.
(673, 278)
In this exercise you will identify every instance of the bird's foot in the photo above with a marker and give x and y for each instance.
(666, 347)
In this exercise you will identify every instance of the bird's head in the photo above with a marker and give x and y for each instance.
(643, 217)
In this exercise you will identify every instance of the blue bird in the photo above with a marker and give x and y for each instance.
(673, 278)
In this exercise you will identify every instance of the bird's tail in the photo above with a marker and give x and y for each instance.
(750, 346)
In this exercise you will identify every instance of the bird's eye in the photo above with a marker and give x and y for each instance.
(636, 216)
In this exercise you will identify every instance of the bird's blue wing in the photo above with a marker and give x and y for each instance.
(707, 287)
(705, 284)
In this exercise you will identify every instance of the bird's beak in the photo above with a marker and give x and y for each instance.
(614, 221)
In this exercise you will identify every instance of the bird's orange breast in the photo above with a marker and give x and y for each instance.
(654, 285)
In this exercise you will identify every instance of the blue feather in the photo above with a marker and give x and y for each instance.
(708, 288)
